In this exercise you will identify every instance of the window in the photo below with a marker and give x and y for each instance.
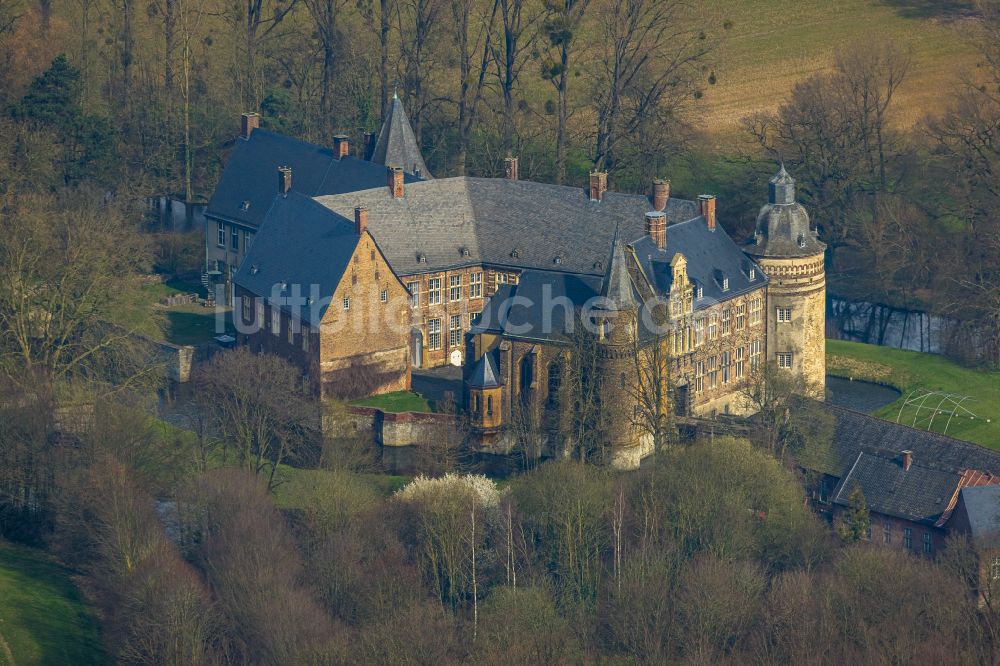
(725, 284)
(995, 569)
(784, 314)
(454, 287)
(222, 235)
(699, 332)
(305, 340)
(713, 372)
(247, 241)
(755, 308)
(741, 317)
(434, 291)
(347, 303)
(414, 289)
(699, 377)
(725, 368)
(927, 543)
(886, 532)
(275, 321)
(555, 380)
(235, 238)
(868, 532)
(246, 308)
(489, 405)
(434, 334)
(475, 285)
(907, 538)
(383, 295)
(785, 360)
(755, 353)
(739, 362)
(713, 327)
(726, 317)
(455, 330)
(474, 315)
(501, 279)
(260, 313)
(291, 331)
(699, 292)
(753, 273)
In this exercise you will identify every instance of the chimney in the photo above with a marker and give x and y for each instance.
(248, 123)
(341, 146)
(598, 185)
(510, 165)
(361, 219)
(661, 193)
(706, 207)
(907, 460)
(369, 144)
(394, 181)
(284, 180)
(656, 227)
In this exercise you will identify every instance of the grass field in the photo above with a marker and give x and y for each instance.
(398, 401)
(773, 44)
(43, 617)
(139, 310)
(912, 371)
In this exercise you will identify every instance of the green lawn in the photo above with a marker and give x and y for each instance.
(138, 309)
(913, 371)
(43, 617)
(399, 401)
(296, 484)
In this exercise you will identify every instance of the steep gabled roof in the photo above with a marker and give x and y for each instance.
(250, 180)
(396, 145)
(461, 221)
(303, 245)
(981, 506)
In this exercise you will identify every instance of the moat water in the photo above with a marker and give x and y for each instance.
(858, 395)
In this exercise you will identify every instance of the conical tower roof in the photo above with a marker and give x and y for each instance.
(396, 145)
(617, 285)
(484, 374)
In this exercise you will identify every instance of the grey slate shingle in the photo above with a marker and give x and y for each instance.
(396, 144)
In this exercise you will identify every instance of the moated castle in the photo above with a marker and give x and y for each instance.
(359, 268)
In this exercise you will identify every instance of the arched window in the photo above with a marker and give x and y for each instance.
(489, 405)
(475, 404)
(621, 380)
(555, 381)
(527, 377)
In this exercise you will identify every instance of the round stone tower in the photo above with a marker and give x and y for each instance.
(790, 254)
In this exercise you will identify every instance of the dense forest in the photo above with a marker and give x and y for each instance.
(248, 537)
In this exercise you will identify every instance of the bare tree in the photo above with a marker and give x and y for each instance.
(518, 21)
(649, 68)
(562, 23)
(325, 14)
(255, 22)
(475, 33)
(417, 25)
(263, 409)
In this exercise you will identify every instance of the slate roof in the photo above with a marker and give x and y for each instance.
(453, 222)
(484, 373)
(783, 228)
(250, 180)
(617, 286)
(868, 451)
(396, 144)
(300, 244)
(711, 256)
(518, 310)
(920, 494)
(855, 432)
(982, 509)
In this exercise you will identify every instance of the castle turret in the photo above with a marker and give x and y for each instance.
(617, 319)
(484, 393)
(790, 254)
(396, 144)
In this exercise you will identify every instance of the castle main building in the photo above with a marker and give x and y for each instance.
(361, 267)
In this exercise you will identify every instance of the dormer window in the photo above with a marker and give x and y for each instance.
(725, 284)
(254, 270)
(245, 205)
(699, 292)
(421, 258)
(557, 261)
(513, 254)
(802, 240)
(598, 266)
(752, 274)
